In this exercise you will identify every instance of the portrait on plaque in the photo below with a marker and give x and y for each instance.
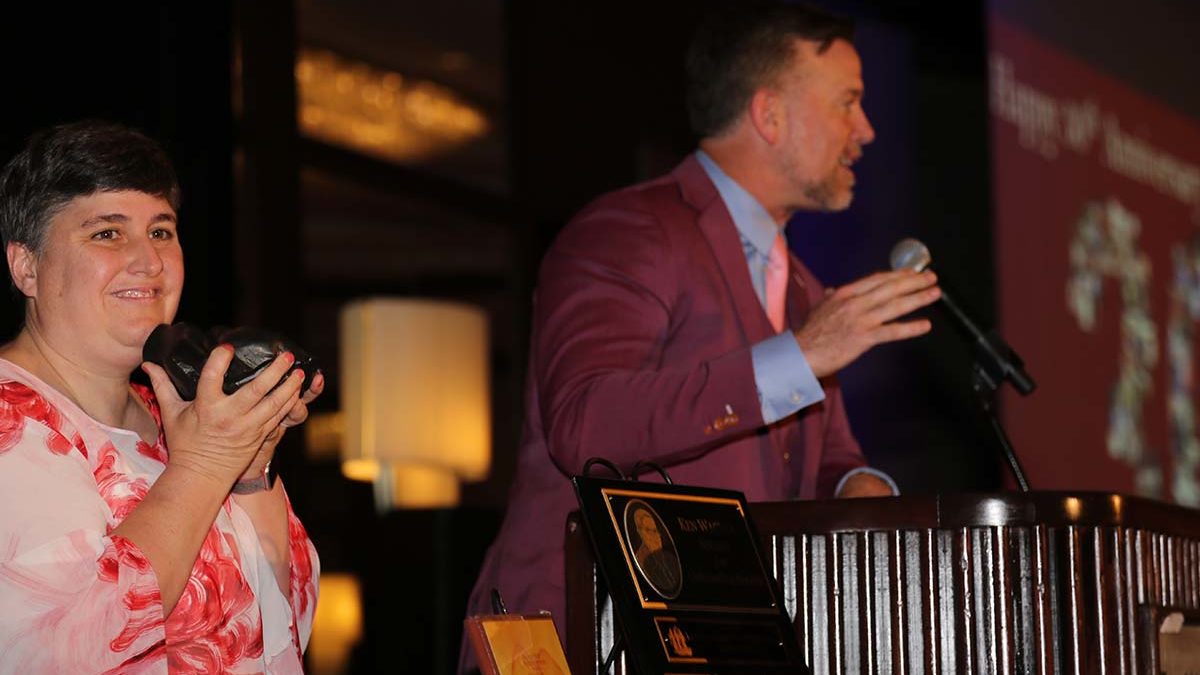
(653, 549)
(687, 579)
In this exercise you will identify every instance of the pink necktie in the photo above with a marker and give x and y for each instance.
(777, 271)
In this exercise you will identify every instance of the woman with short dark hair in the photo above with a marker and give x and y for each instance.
(138, 531)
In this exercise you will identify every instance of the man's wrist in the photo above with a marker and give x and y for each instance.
(782, 377)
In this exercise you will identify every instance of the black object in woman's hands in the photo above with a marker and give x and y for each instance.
(181, 349)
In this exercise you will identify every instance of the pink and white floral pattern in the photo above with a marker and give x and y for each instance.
(74, 599)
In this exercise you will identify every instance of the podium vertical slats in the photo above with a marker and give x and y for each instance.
(1023, 640)
(1193, 574)
(1117, 585)
(948, 609)
(822, 634)
(916, 637)
(982, 600)
(1129, 582)
(898, 571)
(1003, 598)
(880, 590)
(1046, 629)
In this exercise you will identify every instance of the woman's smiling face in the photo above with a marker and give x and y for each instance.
(110, 270)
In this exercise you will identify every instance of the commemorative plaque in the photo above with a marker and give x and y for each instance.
(688, 582)
(514, 644)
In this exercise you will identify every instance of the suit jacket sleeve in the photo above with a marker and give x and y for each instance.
(603, 313)
(840, 452)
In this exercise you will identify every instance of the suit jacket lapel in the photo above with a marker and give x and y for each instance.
(722, 235)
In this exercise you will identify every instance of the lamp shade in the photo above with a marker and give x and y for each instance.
(415, 398)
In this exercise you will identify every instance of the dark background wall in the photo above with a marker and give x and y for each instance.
(165, 70)
(280, 230)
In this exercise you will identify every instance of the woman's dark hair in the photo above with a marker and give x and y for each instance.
(76, 160)
(740, 47)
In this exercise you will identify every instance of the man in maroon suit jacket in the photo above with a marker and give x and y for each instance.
(649, 323)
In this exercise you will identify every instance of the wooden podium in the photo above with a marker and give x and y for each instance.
(1042, 582)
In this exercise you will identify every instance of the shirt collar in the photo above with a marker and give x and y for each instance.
(751, 219)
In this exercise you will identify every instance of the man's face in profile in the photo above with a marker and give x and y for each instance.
(825, 126)
(648, 531)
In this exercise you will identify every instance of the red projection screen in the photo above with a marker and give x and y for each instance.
(1097, 206)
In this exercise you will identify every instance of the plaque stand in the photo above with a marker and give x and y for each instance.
(690, 589)
(510, 644)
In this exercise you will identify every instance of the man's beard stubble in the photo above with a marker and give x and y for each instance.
(829, 194)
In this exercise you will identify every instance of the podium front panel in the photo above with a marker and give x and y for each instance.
(1008, 583)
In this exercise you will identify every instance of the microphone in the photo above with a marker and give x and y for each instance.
(996, 359)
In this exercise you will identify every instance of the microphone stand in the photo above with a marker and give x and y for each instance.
(994, 362)
(985, 390)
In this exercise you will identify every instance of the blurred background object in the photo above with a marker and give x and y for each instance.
(415, 408)
(337, 626)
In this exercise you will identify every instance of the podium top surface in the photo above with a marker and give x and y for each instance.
(953, 511)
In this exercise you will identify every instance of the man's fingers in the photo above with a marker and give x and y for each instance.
(883, 280)
(900, 330)
(865, 485)
(898, 286)
(863, 314)
(905, 304)
(860, 286)
(882, 304)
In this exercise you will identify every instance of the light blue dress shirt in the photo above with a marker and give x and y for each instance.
(782, 375)
(784, 380)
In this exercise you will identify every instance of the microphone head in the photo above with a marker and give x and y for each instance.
(910, 254)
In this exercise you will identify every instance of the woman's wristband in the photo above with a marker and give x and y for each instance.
(262, 483)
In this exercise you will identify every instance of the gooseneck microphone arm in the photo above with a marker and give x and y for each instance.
(998, 360)
(995, 361)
